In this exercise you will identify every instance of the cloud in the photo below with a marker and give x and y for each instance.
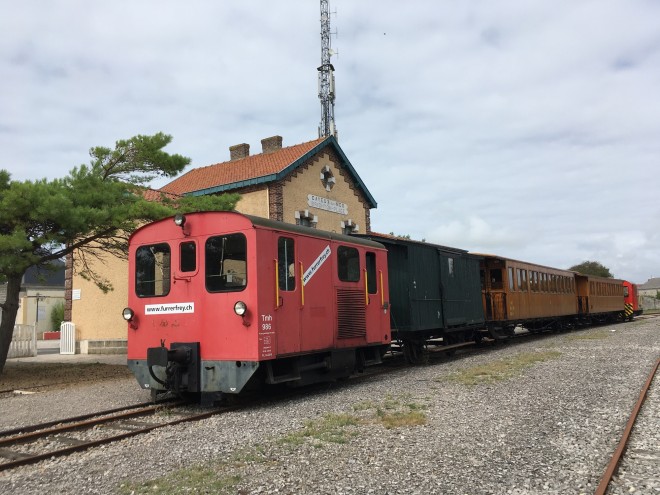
(522, 128)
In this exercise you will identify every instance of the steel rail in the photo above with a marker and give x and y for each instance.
(73, 419)
(31, 459)
(623, 443)
(97, 419)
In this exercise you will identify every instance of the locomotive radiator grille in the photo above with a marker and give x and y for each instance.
(351, 314)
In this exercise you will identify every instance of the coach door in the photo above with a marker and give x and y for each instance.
(287, 315)
(495, 295)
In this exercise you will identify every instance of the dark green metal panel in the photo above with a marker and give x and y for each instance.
(461, 289)
(397, 269)
(431, 287)
(425, 288)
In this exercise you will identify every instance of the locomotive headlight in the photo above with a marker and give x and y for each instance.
(128, 314)
(179, 220)
(240, 308)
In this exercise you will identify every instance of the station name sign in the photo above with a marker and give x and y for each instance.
(327, 204)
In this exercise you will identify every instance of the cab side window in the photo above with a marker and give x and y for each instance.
(226, 263)
(152, 270)
(348, 264)
(372, 282)
(286, 267)
(188, 257)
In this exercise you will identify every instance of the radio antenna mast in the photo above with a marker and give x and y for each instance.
(326, 77)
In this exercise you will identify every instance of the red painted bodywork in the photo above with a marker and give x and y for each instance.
(631, 296)
(277, 323)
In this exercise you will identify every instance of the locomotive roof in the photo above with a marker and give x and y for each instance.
(282, 226)
(309, 231)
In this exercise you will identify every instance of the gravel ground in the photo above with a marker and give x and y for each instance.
(551, 427)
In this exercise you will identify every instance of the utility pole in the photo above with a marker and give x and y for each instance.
(326, 77)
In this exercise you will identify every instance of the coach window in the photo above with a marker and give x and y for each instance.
(187, 256)
(286, 267)
(226, 263)
(450, 266)
(372, 276)
(511, 282)
(496, 278)
(152, 270)
(348, 264)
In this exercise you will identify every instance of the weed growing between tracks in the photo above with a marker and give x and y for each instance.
(500, 370)
(599, 335)
(225, 476)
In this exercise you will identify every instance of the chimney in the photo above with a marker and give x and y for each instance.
(271, 144)
(239, 151)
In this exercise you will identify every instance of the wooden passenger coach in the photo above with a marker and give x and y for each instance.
(599, 296)
(539, 297)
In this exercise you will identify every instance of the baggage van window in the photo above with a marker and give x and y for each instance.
(226, 263)
(348, 264)
(187, 257)
(286, 267)
(152, 270)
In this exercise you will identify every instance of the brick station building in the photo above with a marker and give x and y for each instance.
(312, 184)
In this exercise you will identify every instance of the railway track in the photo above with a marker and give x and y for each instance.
(635, 465)
(35, 443)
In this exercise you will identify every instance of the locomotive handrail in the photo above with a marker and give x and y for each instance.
(302, 286)
(382, 292)
(366, 288)
(277, 285)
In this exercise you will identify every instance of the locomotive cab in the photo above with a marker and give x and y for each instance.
(220, 301)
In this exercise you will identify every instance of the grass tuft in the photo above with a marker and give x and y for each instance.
(600, 335)
(500, 370)
(190, 480)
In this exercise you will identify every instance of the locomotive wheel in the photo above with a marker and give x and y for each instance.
(415, 352)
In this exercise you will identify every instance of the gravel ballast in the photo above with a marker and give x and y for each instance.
(551, 427)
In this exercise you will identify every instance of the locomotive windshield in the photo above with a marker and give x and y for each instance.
(152, 270)
(226, 263)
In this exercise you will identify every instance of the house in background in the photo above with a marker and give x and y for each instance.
(312, 184)
(649, 288)
(41, 290)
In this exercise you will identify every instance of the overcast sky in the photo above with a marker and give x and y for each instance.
(529, 129)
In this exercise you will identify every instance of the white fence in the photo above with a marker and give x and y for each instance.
(67, 338)
(23, 342)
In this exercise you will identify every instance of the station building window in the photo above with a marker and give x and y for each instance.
(305, 218)
(349, 227)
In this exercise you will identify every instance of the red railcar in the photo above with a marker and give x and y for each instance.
(220, 300)
(631, 299)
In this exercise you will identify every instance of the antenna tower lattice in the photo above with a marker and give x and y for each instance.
(326, 77)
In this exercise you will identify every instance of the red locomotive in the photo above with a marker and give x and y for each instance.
(219, 301)
(631, 300)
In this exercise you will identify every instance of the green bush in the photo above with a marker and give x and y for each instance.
(57, 316)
